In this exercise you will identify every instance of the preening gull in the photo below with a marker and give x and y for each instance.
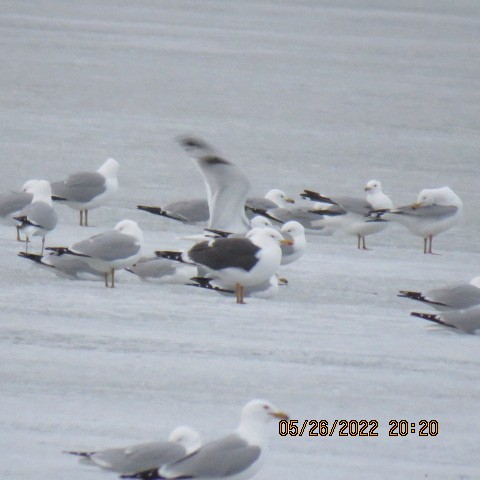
(352, 214)
(85, 191)
(11, 203)
(435, 211)
(227, 187)
(467, 320)
(109, 251)
(237, 456)
(64, 265)
(450, 297)
(145, 456)
(38, 218)
(238, 262)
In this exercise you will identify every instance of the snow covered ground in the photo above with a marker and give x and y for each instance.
(321, 95)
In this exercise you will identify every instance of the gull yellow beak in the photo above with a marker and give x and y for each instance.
(289, 200)
(416, 205)
(368, 189)
(286, 242)
(280, 415)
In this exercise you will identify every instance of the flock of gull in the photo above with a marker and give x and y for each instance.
(239, 252)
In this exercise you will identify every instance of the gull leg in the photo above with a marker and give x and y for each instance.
(430, 241)
(113, 278)
(43, 244)
(81, 218)
(18, 234)
(424, 245)
(106, 279)
(26, 244)
(239, 290)
(358, 241)
(364, 246)
(85, 223)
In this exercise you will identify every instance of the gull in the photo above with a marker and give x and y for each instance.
(227, 187)
(38, 218)
(237, 456)
(450, 297)
(84, 191)
(435, 211)
(466, 320)
(145, 456)
(353, 215)
(109, 251)
(238, 262)
(11, 203)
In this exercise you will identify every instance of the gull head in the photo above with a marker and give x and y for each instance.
(260, 222)
(263, 236)
(293, 230)
(29, 186)
(42, 192)
(129, 227)
(277, 196)
(261, 411)
(109, 168)
(373, 186)
(187, 437)
(444, 196)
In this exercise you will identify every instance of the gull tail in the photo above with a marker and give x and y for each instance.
(432, 317)
(219, 233)
(80, 454)
(263, 213)
(419, 297)
(171, 255)
(65, 250)
(34, 257)
(145, 475)
(316, 197)
(161, 212)
(204, 282)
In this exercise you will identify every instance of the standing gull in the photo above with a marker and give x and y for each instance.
(435, 211)
(352, 214)
(467, 320)
(450, 297)
(109, 251)
(145, 456)
(238, 262)
(237, 456)
(85, 191)
(11, 203)
(38, 218)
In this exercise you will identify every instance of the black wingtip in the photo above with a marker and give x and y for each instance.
(263, 213)
(160, 211)
(432, 317)
(316, 197)
(80, 454)
(219, 233)
(56, 198)
(204, 282)
(35, 257)
(170, 255)
(145, 475)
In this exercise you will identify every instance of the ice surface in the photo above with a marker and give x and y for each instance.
(319, 95)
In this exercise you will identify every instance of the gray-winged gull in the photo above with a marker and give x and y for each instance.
(85, 191)
(466, 320)
(238, 262)
(237, 456)
(109, 251)
(293, 250)
(145, 456)
(450, 297)
(435, 211)
(352, 214)
(163, 270)
(38, 218)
